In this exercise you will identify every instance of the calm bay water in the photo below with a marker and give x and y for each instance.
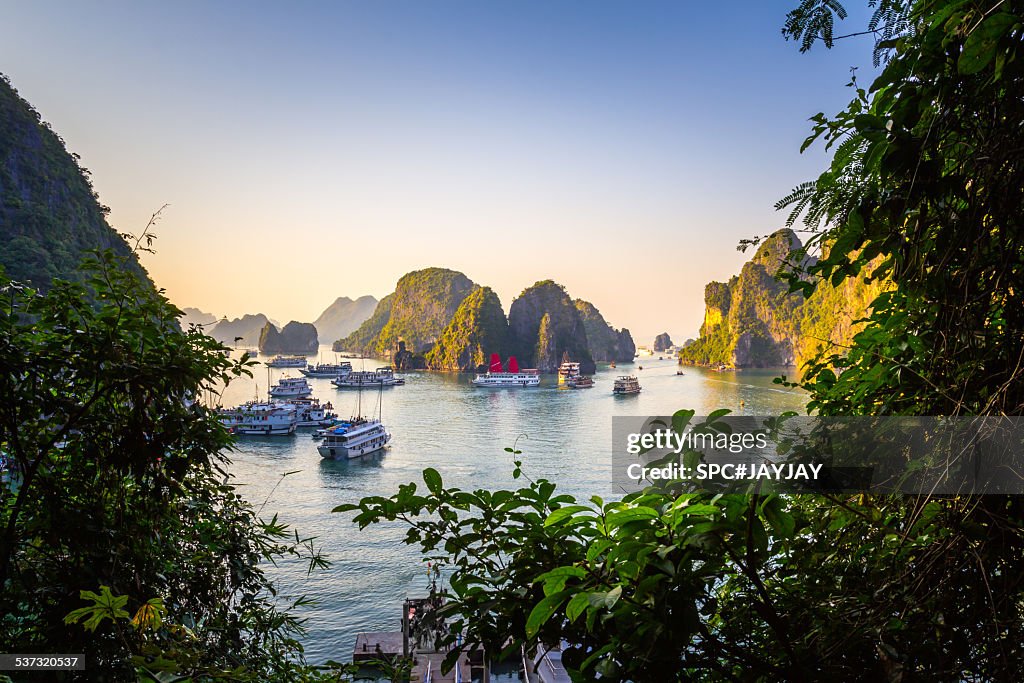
(442, 421)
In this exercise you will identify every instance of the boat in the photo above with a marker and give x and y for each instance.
(611, 364)
(721, 367)
(330, 370)
(626, 384)
(381, 377)
(510, 377)
(679, 373)
(353, 438)
(287, 362)
(312, 414)
(357, 436)
(580, 382)
(567, 370)
(291, 387)
(260, 418)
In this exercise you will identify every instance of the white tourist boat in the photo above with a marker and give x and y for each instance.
(287, 362)
(353, 438)
(568, 371)
(330, 370)
(368, 379)
(626, 384)
(311, 413)
(260, 418)
(510, 377)
(291, 387)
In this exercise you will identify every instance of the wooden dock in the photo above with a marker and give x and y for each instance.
(378, 646)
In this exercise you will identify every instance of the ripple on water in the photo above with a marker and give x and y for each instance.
(441, 421)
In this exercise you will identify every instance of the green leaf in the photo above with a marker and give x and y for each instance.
(980, 46)
(617, 519)
(542, 612)
(432, 479)
(561, 514)
(554, 580)
(605, 599)
(575, 608)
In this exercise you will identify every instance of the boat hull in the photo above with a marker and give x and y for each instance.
(263, 430)
(350, 452)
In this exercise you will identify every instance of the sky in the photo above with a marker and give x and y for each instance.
(311, 150)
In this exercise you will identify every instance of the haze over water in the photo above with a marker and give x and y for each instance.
(441, 421)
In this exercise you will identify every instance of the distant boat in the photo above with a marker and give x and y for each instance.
(287, 362)
(260, 418)
(311, 413)
(611, 364)
(353, 438)
(567, 370)
(291, 387)
(357, 436)
(381, 377)
(626, 384)
(580, 382)
(679, 373)
(328, 370)
(511, 377)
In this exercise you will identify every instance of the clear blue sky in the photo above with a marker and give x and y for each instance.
(313, 150)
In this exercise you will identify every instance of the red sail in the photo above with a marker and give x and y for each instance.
(495, 362)
(513, 364)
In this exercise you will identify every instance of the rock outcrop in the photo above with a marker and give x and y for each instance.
(422, 305)
(404, 359)
(193, 316)
(754, 321)
(477, 329)
(662, 342)
(248, 327)
(545, 325)
(295, 337)
(50, 216)
(604, 342)
(344, 317)
(364, 339)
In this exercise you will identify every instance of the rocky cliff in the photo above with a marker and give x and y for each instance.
(193, 316)
(604, 341)
(422, 305)
(344, 317)
(295, 337)
(50, 216)
(477, 329)
(662, 342)
(753, 320)
(545, 325)
(247, 327)
(364, 339)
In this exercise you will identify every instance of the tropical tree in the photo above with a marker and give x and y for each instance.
(121, 535)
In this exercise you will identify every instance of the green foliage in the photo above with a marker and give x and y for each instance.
(929, 197)
(119, 482)
(477, 329)
(363, 340)
(544, 325)
(50, 216)
(422, 305)
(425, 302)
